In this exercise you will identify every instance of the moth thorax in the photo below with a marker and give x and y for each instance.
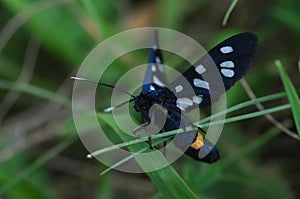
(143, 103)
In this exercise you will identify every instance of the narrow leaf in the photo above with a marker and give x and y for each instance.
(228, 12)
(166, 180)
(291, 94)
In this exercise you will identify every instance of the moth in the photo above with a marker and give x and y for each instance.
(231, 59)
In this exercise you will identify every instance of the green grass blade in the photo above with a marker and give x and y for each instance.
(170, 184)
(244, 105)
(249, 115)
(167, 180)
(123, 160)
(228, 12)
(156, 176)
(172, 133)
(291, 93)
(131, 156)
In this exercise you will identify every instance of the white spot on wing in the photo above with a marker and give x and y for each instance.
(153, 68)
(152, 88)
(183, 103)
(178, 88)
(227, 72)
(226, 49)
(227, 64)
(198, 99)
(157, 81)
(157, 60)
(201, 83)
(200, 69)
(161, 68)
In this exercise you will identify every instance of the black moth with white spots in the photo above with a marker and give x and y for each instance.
(232, 58)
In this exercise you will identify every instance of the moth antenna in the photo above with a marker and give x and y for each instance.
(102, 84)
(155, 40)
(109, 109)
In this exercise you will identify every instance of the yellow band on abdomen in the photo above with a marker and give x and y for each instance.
(199, 142)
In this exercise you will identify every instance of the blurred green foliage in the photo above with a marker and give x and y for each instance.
(42, 44)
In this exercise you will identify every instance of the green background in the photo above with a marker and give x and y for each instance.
(42, 44)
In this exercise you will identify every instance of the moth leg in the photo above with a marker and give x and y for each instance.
(155, 115)
(150, 143)
(138, 128)
(151, 125)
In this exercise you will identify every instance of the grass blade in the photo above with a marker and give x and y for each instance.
(172, 133)
(228, 12)
(131, 156)
(167, 180)
(291, 94)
